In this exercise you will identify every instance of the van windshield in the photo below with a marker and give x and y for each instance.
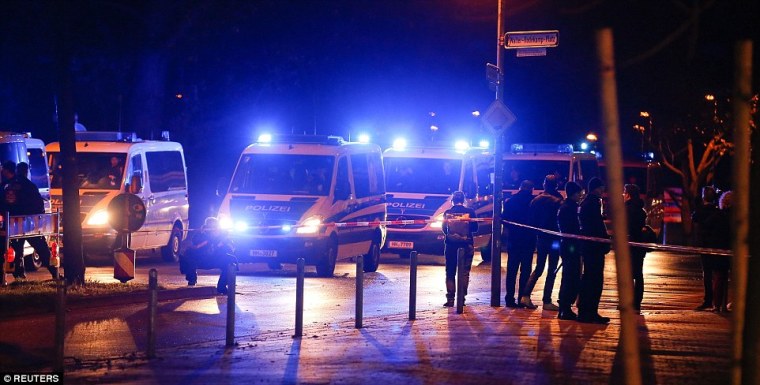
(283, 174)
(96, 170)
(422, 175)
(517, 170)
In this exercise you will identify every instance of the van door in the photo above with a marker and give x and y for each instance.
(343, 198)
(135, 167)
(166, 199)
(38, 173)
(369, 187)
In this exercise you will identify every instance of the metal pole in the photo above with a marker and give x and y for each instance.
(2, 268)
(612, 146)
(741, 183)
(460, 280)
(497, 169)
(60, 323)
(359, 292)
(231, 286)
(299, 298)
(413, 285)
(152, 304)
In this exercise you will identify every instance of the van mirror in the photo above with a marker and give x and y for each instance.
(221, 187)
(135, 184)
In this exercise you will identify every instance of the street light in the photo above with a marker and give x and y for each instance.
(591, 137)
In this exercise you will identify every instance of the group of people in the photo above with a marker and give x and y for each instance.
(582, 261)
(20, 196)
(711, 219)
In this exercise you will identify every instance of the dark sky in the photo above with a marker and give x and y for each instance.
(349, 66)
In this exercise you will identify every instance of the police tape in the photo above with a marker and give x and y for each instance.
(649, 246)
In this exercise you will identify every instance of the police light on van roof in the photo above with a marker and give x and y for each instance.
(584, 146)
(461, 145)
(363, 138)
(399, 144)
(265, 138)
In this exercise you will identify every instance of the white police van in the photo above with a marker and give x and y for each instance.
(111, 163)
(534, 162)
(288, 191)
(420, 181)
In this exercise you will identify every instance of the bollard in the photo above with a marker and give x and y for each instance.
(299, 298)
(231, 286)
(413, 285)
(359, 292)
(60, 323)
(460, 280)
(152, 304)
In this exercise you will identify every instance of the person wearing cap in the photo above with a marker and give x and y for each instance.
(544, 211)
(458, 230)
(22, 197)
(592, 281)
(637, 219)
(521, 243)
(211, 249)
(567, 221)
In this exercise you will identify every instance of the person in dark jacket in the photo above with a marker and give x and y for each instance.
(458, 232)
(567, 221)
(520, 244)
(637, 218)
(544, 212)
(22, 197)
(705, 210)
(718, 232)
(211, 249)
(592, 282)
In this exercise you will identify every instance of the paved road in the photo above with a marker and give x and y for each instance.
(485, 345)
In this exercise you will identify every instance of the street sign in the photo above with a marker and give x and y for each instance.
(528, 52)
(531, 39)
(126, 213)
(498, 117)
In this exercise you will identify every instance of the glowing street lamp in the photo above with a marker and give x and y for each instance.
(591, 137)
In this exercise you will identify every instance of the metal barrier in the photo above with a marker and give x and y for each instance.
(27, 226)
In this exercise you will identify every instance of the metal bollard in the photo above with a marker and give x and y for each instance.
(299, 298)
(231, 286)
(60, 323)
(359, 292)
(413, 285)
(460, 280)
(152, 304)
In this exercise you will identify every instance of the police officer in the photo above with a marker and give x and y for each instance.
(520, 244)
(705, 210)
(211, 249)
(544, 211)
(458, 232)
(567, 220)
(22, 197)
(592, 282)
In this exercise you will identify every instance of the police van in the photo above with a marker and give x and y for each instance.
(287, 192)
(534, 162)
(111, 163)
(420, 181)
(39, 173)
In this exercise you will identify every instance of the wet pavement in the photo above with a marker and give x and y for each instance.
(484, 345)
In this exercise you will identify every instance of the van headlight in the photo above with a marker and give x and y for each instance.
(98, 218)
(437, 222)
(309, 226)
(241, 226)
(225, 222)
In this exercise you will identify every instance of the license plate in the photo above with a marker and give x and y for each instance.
(401, 245)
(263, 253)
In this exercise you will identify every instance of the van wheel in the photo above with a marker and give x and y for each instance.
(326, 267)
(32, 262)
(372, 258)
(170, 252)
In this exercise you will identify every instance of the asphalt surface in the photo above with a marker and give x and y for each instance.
(484, 345)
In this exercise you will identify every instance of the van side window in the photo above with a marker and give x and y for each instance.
(376, 174)
(361, 175)
(38, 168)
(469, 185)
(342, 185)
(135, 168)
(167, 171)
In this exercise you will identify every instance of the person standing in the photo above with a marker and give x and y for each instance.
(705, 210)
(718, 232)
(567, 221)
(22, 197)
(637, 218)
(520, 244)
(544, 212)
(458, 230)
(592, 281)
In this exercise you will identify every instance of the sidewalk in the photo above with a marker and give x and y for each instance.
(484, 345)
